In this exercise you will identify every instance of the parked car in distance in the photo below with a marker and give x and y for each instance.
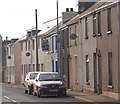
(29, 79)
(49, 84)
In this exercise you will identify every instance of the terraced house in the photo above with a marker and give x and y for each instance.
(94, 49)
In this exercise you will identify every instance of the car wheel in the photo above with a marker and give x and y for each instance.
(38, 93)
(29, 90)
(34, 93)
(64, 94)
(26, 91)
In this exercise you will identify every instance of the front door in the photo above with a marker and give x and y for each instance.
(97, 74)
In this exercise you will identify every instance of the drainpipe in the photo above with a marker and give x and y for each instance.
(81, 57)
(118, 10)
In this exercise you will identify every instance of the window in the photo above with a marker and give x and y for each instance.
(53, 65)
(21, 46)
(67, 34)
(29, 45)
(94, 24)
(86, 28)
(33, 67)
(33, 44)
(52, 48)
(87, 68)
(41, 67)
(56, 63)
(26, 45)
(99, 23)
(109, 20)
(38, 42)
(63, 39)
(109, 68)
(76, 68)
(29, 67)
(55, 42)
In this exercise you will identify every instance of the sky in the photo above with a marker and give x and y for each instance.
(18, 16)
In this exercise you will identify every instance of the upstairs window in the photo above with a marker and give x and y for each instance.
(99, 23)
(94, 24)
(33, 44)
(21, 46)
(109, 20)
(29, 45)
(26, 45)
(86, 28)
(110, 82)
(87, 68)
(55, 42)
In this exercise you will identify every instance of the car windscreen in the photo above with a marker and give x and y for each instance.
(33, 75)
(49, 77)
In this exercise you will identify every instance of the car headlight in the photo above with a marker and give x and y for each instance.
(62, 86)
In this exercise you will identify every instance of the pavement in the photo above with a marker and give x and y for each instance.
(88, 97)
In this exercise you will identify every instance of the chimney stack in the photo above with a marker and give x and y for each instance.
(66, 16)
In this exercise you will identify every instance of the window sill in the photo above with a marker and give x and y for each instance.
(56, 51)
(99, 34)
(110, 86)
(86, 37)
(51, 51)
(76, 82)
(109, 32)
(87, 83)
(94, 35)
(75, 44)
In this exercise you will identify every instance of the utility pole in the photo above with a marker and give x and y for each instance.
(58, 37)
(36, 40)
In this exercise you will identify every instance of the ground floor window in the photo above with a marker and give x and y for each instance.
(87, 68)
(110, 68)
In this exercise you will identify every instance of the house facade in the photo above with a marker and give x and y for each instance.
(94, 50)
(108, 49)
(10, 61)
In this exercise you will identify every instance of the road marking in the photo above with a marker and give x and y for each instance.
(6, 97)
(10, 99)
(13, 101)
(83, 99)
(86, 100)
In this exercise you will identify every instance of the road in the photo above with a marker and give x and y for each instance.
(14, 95)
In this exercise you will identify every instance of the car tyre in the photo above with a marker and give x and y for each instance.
(38, 93)
(29, 90)
(34, 93)
(26, 91)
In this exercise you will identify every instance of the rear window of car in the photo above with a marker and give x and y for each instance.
(33, 75)
(49, 77)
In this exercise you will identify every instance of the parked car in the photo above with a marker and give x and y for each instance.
(49, 84)
(28, 84)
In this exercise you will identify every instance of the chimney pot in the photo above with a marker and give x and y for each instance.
(71, 9)
(67, 9)
(6, 38)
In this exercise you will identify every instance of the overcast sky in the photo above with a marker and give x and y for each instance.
(17, 16)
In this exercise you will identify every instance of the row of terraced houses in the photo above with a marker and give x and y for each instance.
(85, 49)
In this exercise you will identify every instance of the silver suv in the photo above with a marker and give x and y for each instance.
(29, 79)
